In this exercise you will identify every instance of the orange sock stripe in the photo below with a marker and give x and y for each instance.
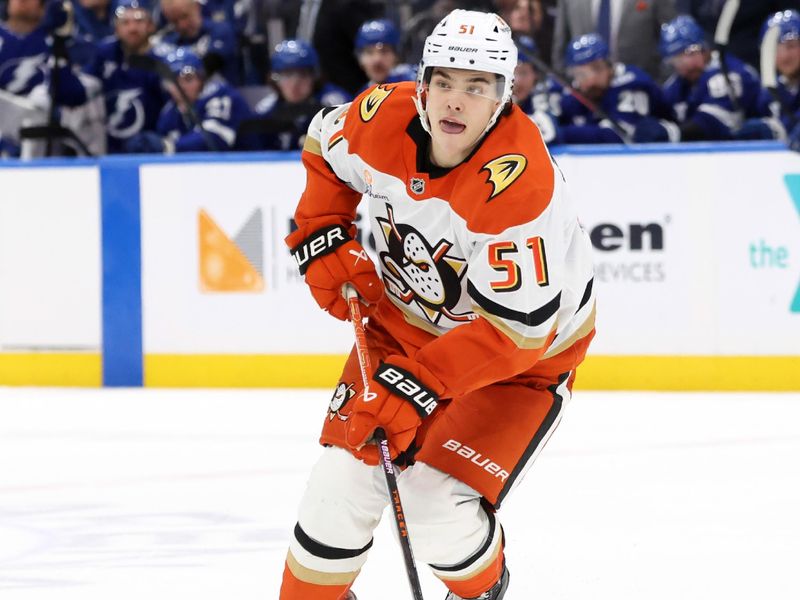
(480, 582)
(293, 588)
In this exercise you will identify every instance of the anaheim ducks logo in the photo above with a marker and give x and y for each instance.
(503, 171)
(370, 105)
(341, 395)
(418, 272)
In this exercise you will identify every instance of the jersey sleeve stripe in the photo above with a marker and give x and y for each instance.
(312, 145)
(534, 318)
(227, 134)
(581, 332)
(586, 294)
(520, 341)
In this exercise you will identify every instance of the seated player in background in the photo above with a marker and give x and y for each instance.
(377, 47)
(93, 23)
(133, 98)
(707, 104)
(474, 331)
(233, 12)
(213, 41)
(26, 50)
(539, 98)
(626, 94)
(35, 69)
(781, 114)
(209, 121)
(298, 95)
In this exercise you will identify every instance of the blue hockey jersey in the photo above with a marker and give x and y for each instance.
(133, 98)
(23, 60)
(214, 37)
(293, 137)
(220, 109)
(546, 96)
(706, 105)
(632, 96)
(24, 65)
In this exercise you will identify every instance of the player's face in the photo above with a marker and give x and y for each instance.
(133, 28)
(593, 79)
(191, 84)
(184, 16)
(29, 11)
(787, 60)
(93, 4)
(524, 81)
(295, 85)
(459, 105)
(691, 63)
(377, 61)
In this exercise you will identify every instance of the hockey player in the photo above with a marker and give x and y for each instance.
(377, 45)
(26, 47)
(482, 306)
(708, 104)
(212, 41)
(134, 98)
(297, 97)
(627, 94)
(539, 99)
(533, 92)
(780, 115)
(217, 107)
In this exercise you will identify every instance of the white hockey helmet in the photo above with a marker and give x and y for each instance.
(472, 40)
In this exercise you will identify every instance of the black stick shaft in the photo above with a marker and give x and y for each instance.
(383, 447)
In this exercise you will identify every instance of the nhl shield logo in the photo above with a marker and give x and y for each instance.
(417, 185)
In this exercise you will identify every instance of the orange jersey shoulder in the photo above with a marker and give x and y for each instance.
(376, 123)
(509, 181)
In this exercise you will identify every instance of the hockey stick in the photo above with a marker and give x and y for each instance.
(721, 38)
(380, 437)
(543, 67)
(769, 72)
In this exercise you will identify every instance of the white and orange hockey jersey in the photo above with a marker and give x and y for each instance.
(488, 273)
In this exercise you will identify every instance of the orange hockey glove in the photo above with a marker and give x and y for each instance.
(401, 395)
(329, 258)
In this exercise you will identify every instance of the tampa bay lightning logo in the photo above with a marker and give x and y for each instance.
(127, 116)
(417, 272)
(19, 75)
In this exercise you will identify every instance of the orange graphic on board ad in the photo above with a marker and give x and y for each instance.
(231, 265)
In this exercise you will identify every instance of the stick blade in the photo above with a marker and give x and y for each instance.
(727, 15)
(769, 51)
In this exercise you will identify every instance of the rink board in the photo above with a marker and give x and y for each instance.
(173, 271)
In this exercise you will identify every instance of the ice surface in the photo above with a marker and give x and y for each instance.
(178, 494)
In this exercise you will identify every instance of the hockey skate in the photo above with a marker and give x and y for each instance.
(496, 593)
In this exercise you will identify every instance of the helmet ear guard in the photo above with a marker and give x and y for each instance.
(473, 41)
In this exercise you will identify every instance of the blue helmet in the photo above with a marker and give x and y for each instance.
(120, 6)
(679, 34)
(183, 61)
(294, 54)
(788, 23)
(526, 47)
(382, 31)
(585, 49)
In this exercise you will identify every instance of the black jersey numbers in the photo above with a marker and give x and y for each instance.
(503, 257)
